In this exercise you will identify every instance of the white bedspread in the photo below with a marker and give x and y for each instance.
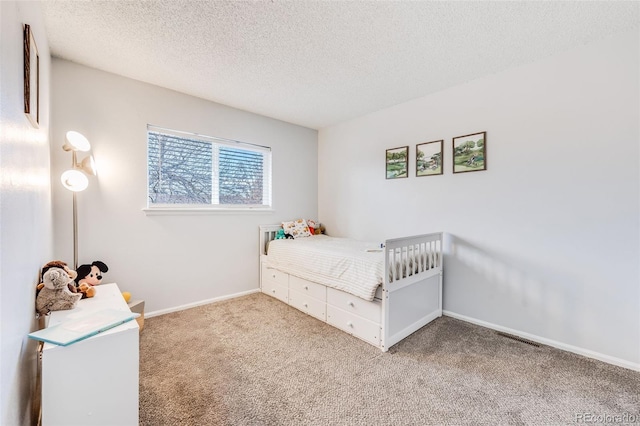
(353, 266)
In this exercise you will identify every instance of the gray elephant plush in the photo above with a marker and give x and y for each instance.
(55, 295)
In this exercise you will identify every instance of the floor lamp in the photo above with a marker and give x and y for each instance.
(75, 179)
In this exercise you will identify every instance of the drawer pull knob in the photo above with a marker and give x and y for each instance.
(306, 287)
(350, 304)
(273, 290)
(349, 324)
(306, 305)
(274, 275)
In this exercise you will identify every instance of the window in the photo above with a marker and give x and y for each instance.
(187, 170)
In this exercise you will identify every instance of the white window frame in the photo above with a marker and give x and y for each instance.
(214, 207)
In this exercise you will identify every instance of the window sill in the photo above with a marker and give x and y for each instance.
(190, 211)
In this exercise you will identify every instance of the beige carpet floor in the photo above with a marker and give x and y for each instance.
(256, 361)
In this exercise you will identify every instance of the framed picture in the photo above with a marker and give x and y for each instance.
(397, 162)
(429, 158)
(470, 153)
(31, 77)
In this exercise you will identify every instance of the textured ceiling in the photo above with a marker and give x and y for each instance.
(319, 63)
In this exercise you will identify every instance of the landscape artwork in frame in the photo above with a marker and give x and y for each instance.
(397, 162)
(31, 77)
(429, 158)
(470, 153)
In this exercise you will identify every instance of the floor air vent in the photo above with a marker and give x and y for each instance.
(519, 339)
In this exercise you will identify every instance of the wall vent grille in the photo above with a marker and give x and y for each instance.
(519, 339)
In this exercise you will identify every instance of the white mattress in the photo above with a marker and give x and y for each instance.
(352, 266)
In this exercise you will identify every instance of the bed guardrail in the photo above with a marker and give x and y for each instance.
(411, 259)
(412, 290)
(267, 233)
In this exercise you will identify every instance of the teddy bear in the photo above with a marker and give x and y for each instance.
(55, 294)
(90, 276)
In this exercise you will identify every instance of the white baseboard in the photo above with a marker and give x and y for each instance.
(199, 303)
(559, 345)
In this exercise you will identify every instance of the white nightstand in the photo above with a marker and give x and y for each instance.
(93, 381)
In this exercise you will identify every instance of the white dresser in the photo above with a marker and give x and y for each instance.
(93, 381)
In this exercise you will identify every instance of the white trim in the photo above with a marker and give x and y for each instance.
(186, 211)
(200, 303)
(559, 345)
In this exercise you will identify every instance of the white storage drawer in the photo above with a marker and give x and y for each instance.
(315, 290)
(350, 303)
(307, 304)
(276, 290)
(271, 275)
(354, 324)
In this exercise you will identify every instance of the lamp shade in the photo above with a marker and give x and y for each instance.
(76, 142)
(88, 165)
(74, 180)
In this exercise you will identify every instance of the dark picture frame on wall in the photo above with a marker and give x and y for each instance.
(470, 153)
(429, 158)
(397, 162)
(31, 77)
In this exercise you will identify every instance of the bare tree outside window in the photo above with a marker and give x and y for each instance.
(179, 170)
(240, 176)
(195, 172)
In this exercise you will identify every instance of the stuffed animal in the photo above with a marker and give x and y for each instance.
(280, 234)
(90, 276)
(57, 264)
(86, 290)
(314, 227)
(55, 294)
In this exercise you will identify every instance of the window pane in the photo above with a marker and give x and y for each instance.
(240, 176)
(180, 170)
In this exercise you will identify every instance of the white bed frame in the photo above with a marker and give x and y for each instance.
(405, 304)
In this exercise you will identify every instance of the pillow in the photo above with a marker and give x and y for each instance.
(297, 229)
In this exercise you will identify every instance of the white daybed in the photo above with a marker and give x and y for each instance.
(406, 296)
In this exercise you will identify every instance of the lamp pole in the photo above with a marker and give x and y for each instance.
(75, 231)
(75, 218)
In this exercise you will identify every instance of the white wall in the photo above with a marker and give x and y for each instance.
(169, 261)
(546, 241)
(25, 209)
